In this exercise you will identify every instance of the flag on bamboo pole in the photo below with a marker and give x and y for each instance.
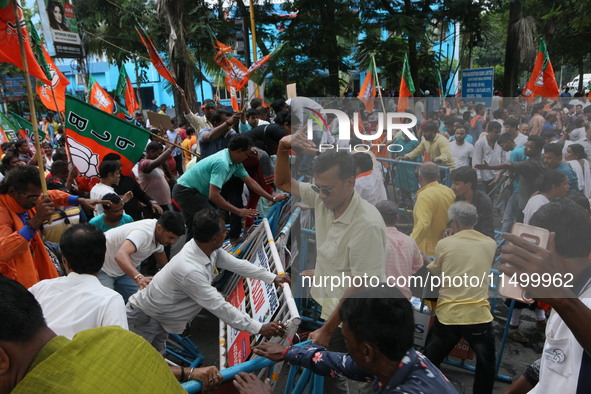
(92, 133)
(154, 56)
(542, 81)
(236, 72)
(25, 128)
(52, 96)
(259, 69)
(99, 97)
(368, 89)
(407, 87)
(10, 51)
(125, 89)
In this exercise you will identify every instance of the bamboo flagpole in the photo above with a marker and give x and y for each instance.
(171, 143)
(30, 96)
(378, 86)
(254, 43)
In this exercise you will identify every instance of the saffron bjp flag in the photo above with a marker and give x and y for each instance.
(154, 56)
(125, 89)
(259, 69)
(10, 51)
(53, 96)
(99, 97)
(542, 81)
(368, 89)
(236, 72)
(92, 133)
(407, 87)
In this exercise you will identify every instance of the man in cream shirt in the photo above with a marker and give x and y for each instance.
(350, 234)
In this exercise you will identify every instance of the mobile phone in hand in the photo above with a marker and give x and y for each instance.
(536, 235)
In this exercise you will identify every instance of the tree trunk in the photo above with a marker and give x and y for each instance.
(180, 64)
(327, 16)
(511, 50)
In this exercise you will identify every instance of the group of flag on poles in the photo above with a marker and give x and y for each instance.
(367, 93)
(237, 74)
(102, 125)
(541, 83)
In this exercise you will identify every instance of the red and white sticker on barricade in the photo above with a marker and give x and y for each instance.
(239, 340)
(263, 296)
(263, 302)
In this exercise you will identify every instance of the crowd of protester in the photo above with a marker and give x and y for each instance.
(97, 252)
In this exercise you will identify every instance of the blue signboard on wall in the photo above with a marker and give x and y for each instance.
(477, 85)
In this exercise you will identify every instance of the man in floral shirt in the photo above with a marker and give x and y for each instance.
(378, 327)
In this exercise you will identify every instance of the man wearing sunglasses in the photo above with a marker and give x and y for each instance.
(350, 235)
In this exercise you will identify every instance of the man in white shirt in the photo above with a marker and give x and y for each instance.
(486, 150)
(369, 183)
(183, 287)
(130, 244)
(110, 173)
(460, 149)
(78, 301)
(565, 363)
(512, 128)
(578, 133)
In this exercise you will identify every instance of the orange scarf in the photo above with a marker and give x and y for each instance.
(474, 120)
(26, 262)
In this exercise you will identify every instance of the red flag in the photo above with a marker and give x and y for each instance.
(154, 57)
(53, 96)
(98, 97)
(10, 49)
(368, 89)
(407, 87)
(542, 81)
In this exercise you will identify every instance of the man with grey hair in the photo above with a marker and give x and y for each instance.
(430, 210)
(462, 263)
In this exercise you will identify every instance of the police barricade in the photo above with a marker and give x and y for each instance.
(423, 315)
(264, 303)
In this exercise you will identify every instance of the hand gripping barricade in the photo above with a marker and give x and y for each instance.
(263, 302)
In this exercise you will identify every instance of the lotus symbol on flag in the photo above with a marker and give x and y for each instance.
(101, 99)
(85, 161)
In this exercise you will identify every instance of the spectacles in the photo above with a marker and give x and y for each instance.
(32, 196)
(327, 191)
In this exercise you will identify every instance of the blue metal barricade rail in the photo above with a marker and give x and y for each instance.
(259, 363)
(494, 286)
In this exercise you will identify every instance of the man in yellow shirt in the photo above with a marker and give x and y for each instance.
(435, 147)
(188, 144)
(462, 263)
(430, 210)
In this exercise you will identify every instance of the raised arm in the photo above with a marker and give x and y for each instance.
(221, 129)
